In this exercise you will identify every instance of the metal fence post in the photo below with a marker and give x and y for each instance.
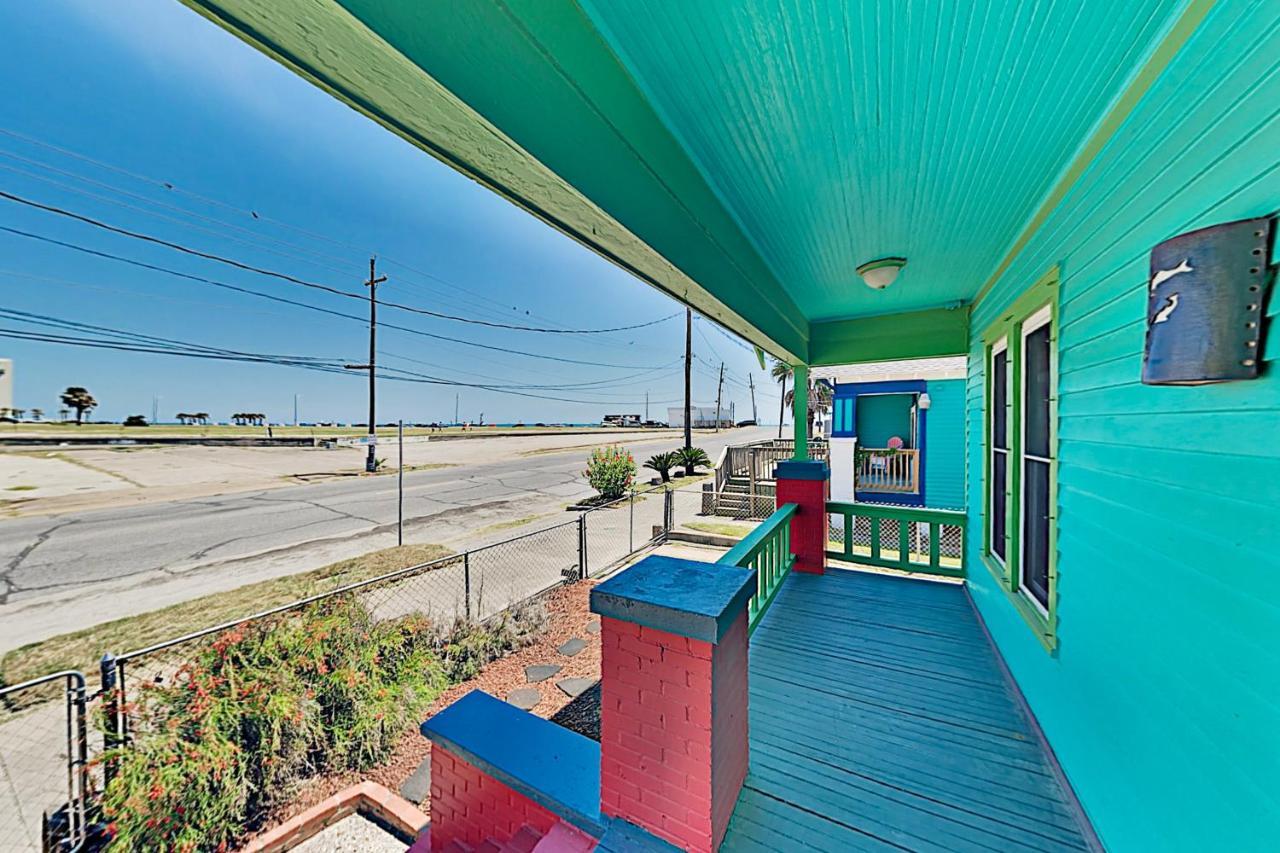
(582, 545)
(78, 759)
(668, 512)
(631, 525)
(111, 730)
(466, 580)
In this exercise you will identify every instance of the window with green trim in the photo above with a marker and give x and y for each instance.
(1020, 458)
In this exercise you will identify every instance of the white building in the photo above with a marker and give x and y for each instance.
(6, 384)
(703, 417)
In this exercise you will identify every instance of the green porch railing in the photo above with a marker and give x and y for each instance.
(767, 549)
(910, 539)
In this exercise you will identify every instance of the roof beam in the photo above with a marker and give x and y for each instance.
(526, 98)
(890, 337)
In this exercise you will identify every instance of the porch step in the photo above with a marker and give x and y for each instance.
(564, 838)
(526, 840)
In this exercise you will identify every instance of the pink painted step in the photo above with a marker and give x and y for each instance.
(564, 838)
(524, 841)
(423, 842)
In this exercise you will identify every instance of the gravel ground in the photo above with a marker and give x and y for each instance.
(568, 615)
(353, 834)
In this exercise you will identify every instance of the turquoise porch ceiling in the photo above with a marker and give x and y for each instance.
(837, 132)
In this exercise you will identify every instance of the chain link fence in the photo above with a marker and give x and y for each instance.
(618, 529)
(45, 745)
(43, 764)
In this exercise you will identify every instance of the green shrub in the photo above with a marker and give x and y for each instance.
(662, 463)
(611, 471)
(265, 706)
(691, 458)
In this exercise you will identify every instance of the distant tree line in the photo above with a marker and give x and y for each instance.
(78, 399)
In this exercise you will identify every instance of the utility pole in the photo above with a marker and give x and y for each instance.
(455, 409)
(400, 487)
(782, 405)
(295, 409)
(155, 408)
(688, 359)
(371, 461)
(719, 389)
(646, 406)
(751, 380)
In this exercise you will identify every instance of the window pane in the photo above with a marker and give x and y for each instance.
(999, 477)
(1035, 530)
(1000, 399)
(1035, 371)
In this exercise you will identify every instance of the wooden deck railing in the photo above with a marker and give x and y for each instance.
(767, 549)
(885, 470)
(911, 539)
(756, 461)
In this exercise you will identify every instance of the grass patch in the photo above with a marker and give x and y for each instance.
(507, 525)
(720, 529)
(82, 649)
(390, 468)
(19, 488)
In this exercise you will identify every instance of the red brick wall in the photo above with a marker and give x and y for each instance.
(730, 751)
(809, 524)
(469, 806)
(655, 728)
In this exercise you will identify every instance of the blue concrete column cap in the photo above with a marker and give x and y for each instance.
(685, 597)
(802, 469)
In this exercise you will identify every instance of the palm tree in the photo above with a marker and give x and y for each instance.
(79, 399)
(819, 395)
(37, 414)
(781, 372)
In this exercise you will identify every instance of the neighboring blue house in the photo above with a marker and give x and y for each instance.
(897, 432)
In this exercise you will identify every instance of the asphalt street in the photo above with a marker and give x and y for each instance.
(62, 572)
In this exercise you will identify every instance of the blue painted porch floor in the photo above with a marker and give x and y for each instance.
(881, 719)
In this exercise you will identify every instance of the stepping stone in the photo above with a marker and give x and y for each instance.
(525, 698)
(574, 687)
(594, 627)
(540, 672)
(572, 647)
(416, 788)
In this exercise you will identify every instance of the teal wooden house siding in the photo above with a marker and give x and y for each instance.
(945, 453)
(1160, 698)
(884, 416)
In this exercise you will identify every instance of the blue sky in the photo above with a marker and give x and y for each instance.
(158, 95)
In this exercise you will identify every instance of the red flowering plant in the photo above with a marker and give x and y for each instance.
(611, 471)
(227, 736)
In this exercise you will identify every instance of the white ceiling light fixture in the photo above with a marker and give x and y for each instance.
(881, 273)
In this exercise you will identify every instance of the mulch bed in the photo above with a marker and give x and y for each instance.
(567, 616)
(582, 715)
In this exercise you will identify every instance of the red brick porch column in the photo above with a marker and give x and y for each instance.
(673, 746)
(807, 484)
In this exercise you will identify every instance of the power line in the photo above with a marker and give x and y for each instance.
(306, 305)
(499, 310)
(128, 341)
(616, 381)
(241, 265)
(169, 186)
